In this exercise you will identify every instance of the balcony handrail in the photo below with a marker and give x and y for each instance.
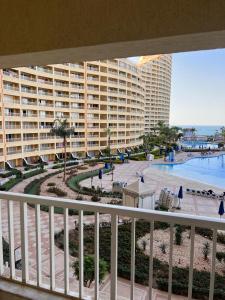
(99, 208)
(139, 213)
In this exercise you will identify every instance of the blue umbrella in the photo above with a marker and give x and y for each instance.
(180, 195)
(142, 179)
(100, 174)
(121, 157)
(221, 208)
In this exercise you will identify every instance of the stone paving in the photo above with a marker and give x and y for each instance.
(195, 205)
(126, 172)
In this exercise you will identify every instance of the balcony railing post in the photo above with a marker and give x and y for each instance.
(1, 244)
(151, 259)
(24, 241)
(133, 245)
(212, 274)
(52, 247)
(38, 242)
(81, 253)
(170, 263)
(96, 256)
(114, 255)
(66, 252)
(190, 282)
(11, 239)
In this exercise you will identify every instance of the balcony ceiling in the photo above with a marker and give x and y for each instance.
(44, 32)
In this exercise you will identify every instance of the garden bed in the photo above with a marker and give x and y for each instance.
(73, 182)
(201, 279)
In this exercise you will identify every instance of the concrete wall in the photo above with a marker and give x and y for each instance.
(8, 296)
(60, 31)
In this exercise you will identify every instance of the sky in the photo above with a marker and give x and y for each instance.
(198, 88)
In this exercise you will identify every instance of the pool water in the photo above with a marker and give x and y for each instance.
(207, 170)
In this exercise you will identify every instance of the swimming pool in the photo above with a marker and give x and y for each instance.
(207, 170)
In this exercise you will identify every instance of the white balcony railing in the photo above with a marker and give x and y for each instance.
(17, 204)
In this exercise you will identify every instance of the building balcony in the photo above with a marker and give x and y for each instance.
(40, 276)
(13, 140)
(11, 152)
(11, 88)
(45, 70)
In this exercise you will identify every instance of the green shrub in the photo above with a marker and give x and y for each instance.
(10, 184)
(68, 164)
(6, 174)
(33, 173)
(163, 247)
(95, 198)
(89, 269)
(220, 256)
(178, 235)
(141, 157)
(57, 191)
(206, 250)
(201, 283)
(144, 244)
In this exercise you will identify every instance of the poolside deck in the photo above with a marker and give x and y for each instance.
(191, 204)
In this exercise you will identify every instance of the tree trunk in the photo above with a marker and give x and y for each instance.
(110, 157)
(64, 175)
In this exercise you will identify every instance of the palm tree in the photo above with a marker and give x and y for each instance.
(166, 134)
(222, 133)
(60, 128)
(108, 133)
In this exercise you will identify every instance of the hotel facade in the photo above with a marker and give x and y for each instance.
(92, 96)
(156, 76)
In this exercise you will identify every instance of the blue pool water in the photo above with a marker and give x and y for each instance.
(207, 170)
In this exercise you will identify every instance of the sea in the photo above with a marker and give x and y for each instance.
(203, 129)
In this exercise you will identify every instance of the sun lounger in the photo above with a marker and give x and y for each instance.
(208, 194)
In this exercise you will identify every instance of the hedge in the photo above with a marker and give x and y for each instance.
(6, 174)
(73, 183)
(68, 164)
(10, 184)
(57, 191)
(33, 173)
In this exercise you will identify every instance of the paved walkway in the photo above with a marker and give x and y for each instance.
(195, 205)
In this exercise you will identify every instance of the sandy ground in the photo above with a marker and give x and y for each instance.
(181, 253)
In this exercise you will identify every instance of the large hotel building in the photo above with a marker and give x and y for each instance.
(128, 98)
(156, 76)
